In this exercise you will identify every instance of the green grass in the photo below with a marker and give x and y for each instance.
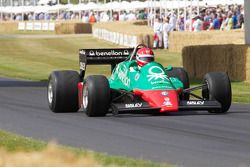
(34, 59)
(13, 143)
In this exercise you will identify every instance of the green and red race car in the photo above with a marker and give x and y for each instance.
(151, 88)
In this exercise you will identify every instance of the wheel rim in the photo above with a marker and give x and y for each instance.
(50, 93)
(85, 97)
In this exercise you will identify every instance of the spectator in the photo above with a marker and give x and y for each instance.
(240, 21)
(173, 21)
(166, 30)
(85, 18)
(229, 21)
(122, 16)
(197, 25)
(215, 23)
(235, 21)
(131, 16)
(92, 18)
(181, 23)
(158, 25)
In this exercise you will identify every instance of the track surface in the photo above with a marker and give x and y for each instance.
(195, 139)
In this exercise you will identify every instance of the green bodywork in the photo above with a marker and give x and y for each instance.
(128, 76)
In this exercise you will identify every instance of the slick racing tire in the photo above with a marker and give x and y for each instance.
(96, 96)
(182, 75)
(218, 88)
(62, 91)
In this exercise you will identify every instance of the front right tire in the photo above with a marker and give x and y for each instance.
(218, 88)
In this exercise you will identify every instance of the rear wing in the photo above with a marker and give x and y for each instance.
(102, 56)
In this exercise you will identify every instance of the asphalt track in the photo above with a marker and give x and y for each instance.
(192, 139)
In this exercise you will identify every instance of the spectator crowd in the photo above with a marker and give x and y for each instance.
(194, 19)
(206, 19)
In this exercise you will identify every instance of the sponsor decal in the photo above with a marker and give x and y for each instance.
(91, 53)
(155, 73)
(82, 66)
(162, 87)
(137, 76)
(167, 99)
(122, 75)
(133, 105)
(159, 82)
(126, 52)
(108, 53)
(164, 93)
(195, 102)
(82, 52)
(167, 102)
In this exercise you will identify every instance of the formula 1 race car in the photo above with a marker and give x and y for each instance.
(149, 89)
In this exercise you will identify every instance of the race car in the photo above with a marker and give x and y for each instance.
(150, 88)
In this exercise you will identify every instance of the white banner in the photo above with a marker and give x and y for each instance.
(45, 26)
(115, 37)
(29, 26)
(37, 26)
(21, 26)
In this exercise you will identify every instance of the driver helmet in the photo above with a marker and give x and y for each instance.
(144, 56)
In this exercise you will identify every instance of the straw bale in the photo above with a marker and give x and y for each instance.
(248, 64)
(178, 40)
(8, 27)
(141, 23)
(73, 28)
(232, 59)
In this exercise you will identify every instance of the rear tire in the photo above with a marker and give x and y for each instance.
(218, 88)
(96, 96)
(182, 75)
(62, 91)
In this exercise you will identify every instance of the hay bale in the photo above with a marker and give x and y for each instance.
(232, 59)
(178, 40)
(248, 64)
(140, 23)
(73, 28)
(8, 27)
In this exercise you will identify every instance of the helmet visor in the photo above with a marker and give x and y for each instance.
(146, 59)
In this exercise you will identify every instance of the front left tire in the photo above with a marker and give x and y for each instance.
(62, 91)
(96, 96)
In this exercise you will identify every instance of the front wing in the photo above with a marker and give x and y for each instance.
(145, 108)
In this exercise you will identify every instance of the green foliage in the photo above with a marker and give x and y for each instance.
(70, 1)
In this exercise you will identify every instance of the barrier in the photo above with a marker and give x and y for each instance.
(179, 40)
(36, 26)
(115, 37)
(232, 59)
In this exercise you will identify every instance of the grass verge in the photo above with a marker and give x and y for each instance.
(16, 147)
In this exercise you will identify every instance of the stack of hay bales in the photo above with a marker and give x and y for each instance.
(8, 27)
(73, 28)
(232, 59)
(179, 40)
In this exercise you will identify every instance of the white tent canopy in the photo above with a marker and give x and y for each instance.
(124, 5)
